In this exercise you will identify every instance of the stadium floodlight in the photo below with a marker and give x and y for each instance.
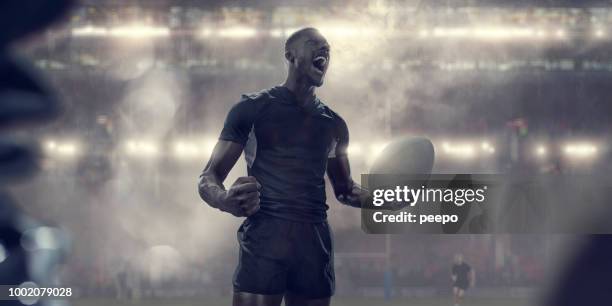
(487, 147)
(50, 145)
(345, 31)
(580, 150)
(461, 150)
(237, 32)
(560, 33)
(423, 33)
(138, 31)
(206, 32)
(451, 32)
(354, 149)
(277, 32)
(541, 151)
(193, 148)
(65, 148)
(599, 33)
(282, 32)
(184, 149)
(376, 149)
(141, 148)
(541, 33)
(89, 31)
(488, 32)
(495, 33)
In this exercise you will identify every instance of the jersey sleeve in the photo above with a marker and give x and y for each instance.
(239, 122)
(340, 143)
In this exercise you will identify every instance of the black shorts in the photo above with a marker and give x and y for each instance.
(278, 256)
(461, 285)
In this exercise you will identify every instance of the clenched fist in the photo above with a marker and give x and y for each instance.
(242, 198)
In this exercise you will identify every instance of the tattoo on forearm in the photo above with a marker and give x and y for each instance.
(210, 190)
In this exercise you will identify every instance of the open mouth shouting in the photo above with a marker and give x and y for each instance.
(320, 64)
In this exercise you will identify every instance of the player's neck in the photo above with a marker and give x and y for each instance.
(302, 90)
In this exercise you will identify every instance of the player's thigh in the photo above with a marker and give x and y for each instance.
(264, 252)
(296, 300)
(252, 299)
(312, 274)
(460, 292)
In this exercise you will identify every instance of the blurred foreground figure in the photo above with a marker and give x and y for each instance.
(29, 251)
(586, 281)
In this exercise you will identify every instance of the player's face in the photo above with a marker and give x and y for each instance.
(313, 57)
(458, 259)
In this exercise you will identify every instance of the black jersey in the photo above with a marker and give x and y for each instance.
(461, 271)
(286, 147)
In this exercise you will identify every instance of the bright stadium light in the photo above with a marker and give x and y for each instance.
(599, 33)
(184, 149)
(462, 150)
(502, 32)
(376, 149)
(277, 32)
(133, 31)
(282, 32)
(354, 149)
(206, 32)
(423, 33)
(138, 31)
(451, 32)
(580, 150)
(487, 147)
(237, 32)
(560, 33)
(89, 31)
(193, 148)
(541, 151)
(50, 145)
(65, 148)
(141, 148)
(485, 32)
(541, 33)
(345, 31)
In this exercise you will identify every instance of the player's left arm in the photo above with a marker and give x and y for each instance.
(346, 190)
(339, 170)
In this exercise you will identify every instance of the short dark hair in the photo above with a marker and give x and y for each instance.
(297, 35)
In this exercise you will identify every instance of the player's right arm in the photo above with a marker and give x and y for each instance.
(242, 198)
